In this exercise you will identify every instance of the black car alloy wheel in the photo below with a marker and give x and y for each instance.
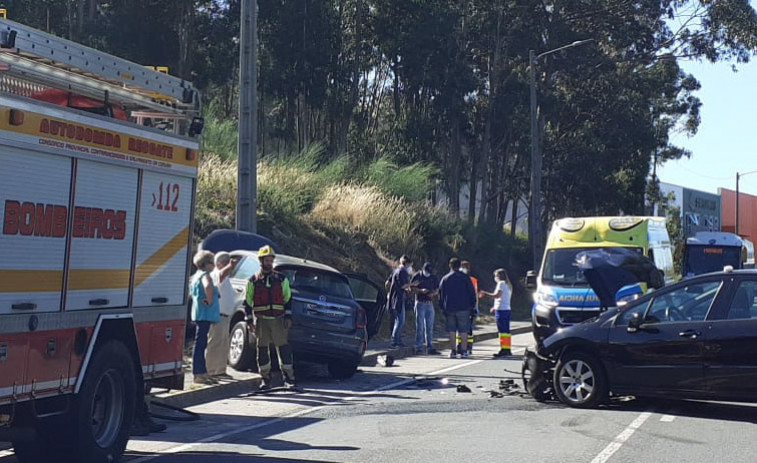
(580, 380)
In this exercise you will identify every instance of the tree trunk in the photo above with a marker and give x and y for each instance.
(473, 187)
(80, 7)
(453, 179)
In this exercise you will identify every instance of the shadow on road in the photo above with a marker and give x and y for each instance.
(216, 457)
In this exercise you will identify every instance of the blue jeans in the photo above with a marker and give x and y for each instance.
(201, 343)
(399, 323)
(424, 324)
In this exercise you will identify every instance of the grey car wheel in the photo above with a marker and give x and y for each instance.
(241, 350)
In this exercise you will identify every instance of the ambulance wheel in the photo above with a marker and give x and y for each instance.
(580, 380)
(104, 409)
(241, 347)
(342, 369)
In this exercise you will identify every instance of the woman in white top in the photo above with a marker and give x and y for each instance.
(501, 310)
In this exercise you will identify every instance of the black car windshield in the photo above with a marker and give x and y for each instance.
(560, 268)
(317, 281)
(706, 259)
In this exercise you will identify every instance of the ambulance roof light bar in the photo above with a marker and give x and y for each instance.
(90, 63)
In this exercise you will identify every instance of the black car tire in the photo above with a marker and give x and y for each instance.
(241, 347)
(341, 369)
(580, 380)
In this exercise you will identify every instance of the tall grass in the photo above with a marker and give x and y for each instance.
(412, 183)
(216, 195)
(388, 221)
(219, 137)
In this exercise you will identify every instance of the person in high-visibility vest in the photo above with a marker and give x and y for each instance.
(501, 310)
(268, 295)
(465, 268)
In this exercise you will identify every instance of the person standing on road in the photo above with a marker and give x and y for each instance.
(205, 312)
(398, 289)
(267, 298)
(426, 287)
(457, 299)
(501, 310)
(465, 268)
(217, 352)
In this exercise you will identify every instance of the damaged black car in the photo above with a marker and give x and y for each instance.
(694, 339)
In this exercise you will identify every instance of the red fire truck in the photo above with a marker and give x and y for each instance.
(98, 158)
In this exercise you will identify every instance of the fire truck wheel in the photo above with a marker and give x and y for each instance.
(241, 347)
(104, 409)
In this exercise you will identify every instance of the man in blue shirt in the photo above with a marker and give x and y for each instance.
(457, 299)
(426, 287)
(399, 285)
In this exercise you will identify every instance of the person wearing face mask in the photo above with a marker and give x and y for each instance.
(426, 287)
(398, 286)
(501, 310)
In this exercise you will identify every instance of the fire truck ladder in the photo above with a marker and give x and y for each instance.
(30, 56)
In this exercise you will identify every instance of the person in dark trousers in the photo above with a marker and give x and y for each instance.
(457, 299)
(426, 287)
(465, 268)
(398, 286)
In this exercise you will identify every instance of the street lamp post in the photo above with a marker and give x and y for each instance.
(738, 177)
(534, 221)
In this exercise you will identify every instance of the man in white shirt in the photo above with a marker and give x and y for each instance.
(217, 352)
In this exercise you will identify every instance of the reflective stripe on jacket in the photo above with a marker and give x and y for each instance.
(268, 295)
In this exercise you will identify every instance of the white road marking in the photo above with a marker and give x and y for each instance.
(667, 418)
(307, 411)
(621, 439)
(6, 453)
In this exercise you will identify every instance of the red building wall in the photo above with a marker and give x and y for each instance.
(747, 213)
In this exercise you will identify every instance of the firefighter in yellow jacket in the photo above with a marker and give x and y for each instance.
(267, 301)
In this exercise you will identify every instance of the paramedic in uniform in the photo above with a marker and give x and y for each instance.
(268, 294)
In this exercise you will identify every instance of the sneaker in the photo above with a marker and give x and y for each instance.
(465, 355)
(419, 351)
(452, 354)
(394, 346)
(289, 383)
(432, 351)
(265, 385)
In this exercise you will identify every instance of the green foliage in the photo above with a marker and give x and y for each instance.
(413, 182)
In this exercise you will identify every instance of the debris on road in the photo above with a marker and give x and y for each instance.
(385, 360)
(463, 388)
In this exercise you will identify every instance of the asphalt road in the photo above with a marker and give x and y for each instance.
(413, 412)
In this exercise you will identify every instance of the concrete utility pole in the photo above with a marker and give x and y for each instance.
(534, 212)
(247, 174)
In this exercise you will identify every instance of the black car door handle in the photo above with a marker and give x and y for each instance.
(693, 334)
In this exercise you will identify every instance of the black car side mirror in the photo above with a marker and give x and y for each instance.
(531, 280)
(634, 324)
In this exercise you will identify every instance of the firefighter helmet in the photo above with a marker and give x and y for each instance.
(266, 251)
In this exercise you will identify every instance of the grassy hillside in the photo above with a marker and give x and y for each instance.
(357, 219)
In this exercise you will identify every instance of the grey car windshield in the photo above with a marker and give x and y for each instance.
(317, 281)
(560, 267)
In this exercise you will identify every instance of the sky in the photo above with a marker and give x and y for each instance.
(726, 141)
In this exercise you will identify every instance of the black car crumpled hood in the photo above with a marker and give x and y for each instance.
(607, 270)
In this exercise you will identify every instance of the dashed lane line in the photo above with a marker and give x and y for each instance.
(621, 439)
